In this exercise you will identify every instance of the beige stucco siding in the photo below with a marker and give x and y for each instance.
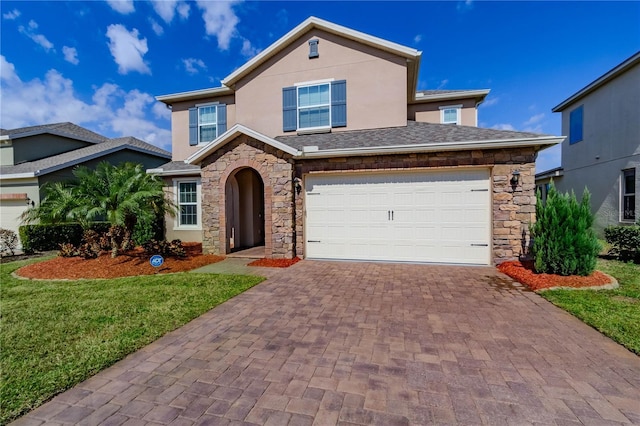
(14, 201)
(431, 113)
(376, 83)
(180, 148)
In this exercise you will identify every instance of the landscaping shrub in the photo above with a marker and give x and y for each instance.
(625, 242)
(165, 248)
(67, 250)
(8, 241)
(564, 242)
(49, 237)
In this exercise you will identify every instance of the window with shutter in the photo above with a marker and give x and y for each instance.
(314, 106)
(206, 123)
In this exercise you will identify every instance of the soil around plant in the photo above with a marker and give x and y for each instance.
(524, 273)
(128, 264)
(275, 263)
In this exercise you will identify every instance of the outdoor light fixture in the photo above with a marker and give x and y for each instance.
(297, 183)
(30, 202)
(515, 178)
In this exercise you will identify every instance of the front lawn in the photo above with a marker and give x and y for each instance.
(55, 334)
(615, 313)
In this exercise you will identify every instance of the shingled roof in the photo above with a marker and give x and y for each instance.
(414, 133)
(62, 129)
(77, 156)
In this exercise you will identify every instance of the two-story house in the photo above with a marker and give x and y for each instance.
(321, 147)
(602, 150)
(32, 156)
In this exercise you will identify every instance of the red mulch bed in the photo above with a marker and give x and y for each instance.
(131, 263)
(524, 272)
(275, 263)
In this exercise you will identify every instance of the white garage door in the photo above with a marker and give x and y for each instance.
(10, 211)
(435, 216)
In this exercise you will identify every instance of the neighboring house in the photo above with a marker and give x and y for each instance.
(33, 156)
(602, 150)
(321, 147)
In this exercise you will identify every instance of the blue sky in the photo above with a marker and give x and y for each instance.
(100, 64)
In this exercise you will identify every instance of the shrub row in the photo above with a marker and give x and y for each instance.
(625, 242)
(50, 237)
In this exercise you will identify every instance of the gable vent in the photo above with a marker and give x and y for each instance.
(313, 48)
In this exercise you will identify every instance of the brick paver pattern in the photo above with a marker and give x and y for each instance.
(328, 343)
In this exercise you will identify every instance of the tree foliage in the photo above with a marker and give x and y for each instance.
(122, 195)
(564, 241)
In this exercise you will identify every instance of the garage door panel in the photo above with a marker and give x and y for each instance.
(409, 216)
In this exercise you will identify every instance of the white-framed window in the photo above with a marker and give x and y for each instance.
(207, 123)
(314, 106)
(450, 114)
(187, 196)
(628, 198)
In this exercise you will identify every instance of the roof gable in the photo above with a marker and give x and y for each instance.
(67, 129)
(230, 135)
(317, 23)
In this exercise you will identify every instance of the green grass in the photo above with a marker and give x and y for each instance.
(55, 334)
(615, 313)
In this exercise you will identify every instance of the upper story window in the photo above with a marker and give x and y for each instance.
(575, 125)
(628, 195)
(314, 105)
(207, 122)
(450, 114)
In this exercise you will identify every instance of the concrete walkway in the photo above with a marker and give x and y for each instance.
(362, 343)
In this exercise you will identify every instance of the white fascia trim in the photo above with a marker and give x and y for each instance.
(18, 176)
(194, 94)
(230, 135)
(418, 97)
(5, 138)
(602, 80)
(308, 24)
(314, 82)
(161, 172)
(431, 147)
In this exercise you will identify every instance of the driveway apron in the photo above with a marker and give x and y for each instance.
(346, 343)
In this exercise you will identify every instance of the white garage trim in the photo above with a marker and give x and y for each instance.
(441, 216)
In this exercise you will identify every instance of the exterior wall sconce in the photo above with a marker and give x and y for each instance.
(297, 184)
(515, 178)
(30, 202)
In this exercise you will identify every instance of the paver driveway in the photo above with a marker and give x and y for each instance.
(363, 343)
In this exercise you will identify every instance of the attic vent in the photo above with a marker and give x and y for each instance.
(313, 48)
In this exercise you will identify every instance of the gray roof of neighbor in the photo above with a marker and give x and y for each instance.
(413, 133)
(71, 158)
(64, 129)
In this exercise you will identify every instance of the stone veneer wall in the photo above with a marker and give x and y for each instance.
(513, 207)
(275, 169)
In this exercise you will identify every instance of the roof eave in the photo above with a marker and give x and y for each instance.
(307, 25)
(194, 95)
(435, 147)
(18, 176)
(162, 172)
(476, 94)
(51, 132)
(599, 82)
(557, 172)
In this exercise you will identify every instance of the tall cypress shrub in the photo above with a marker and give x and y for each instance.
(564, 241)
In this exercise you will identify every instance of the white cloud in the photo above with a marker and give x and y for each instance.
(166, 9)
(220, 20)
(549, 158)
(489, 102)
(193, 65)
(417, 39)
(443, 83)
(112, 111)
(70, 54)
(11, 15)
(248, 51)
(37, 38)
(505, 126)
(157, 28)
(534, 119)
(464, 6)
(160, 110)
(127, 49)
(124, 7)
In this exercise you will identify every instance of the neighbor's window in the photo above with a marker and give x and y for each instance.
(188, 203)
(207, 123)
(629, 195)
(575, 125)
(450, 114)
(314, 106)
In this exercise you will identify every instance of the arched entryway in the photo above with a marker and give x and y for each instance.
(244, 210)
